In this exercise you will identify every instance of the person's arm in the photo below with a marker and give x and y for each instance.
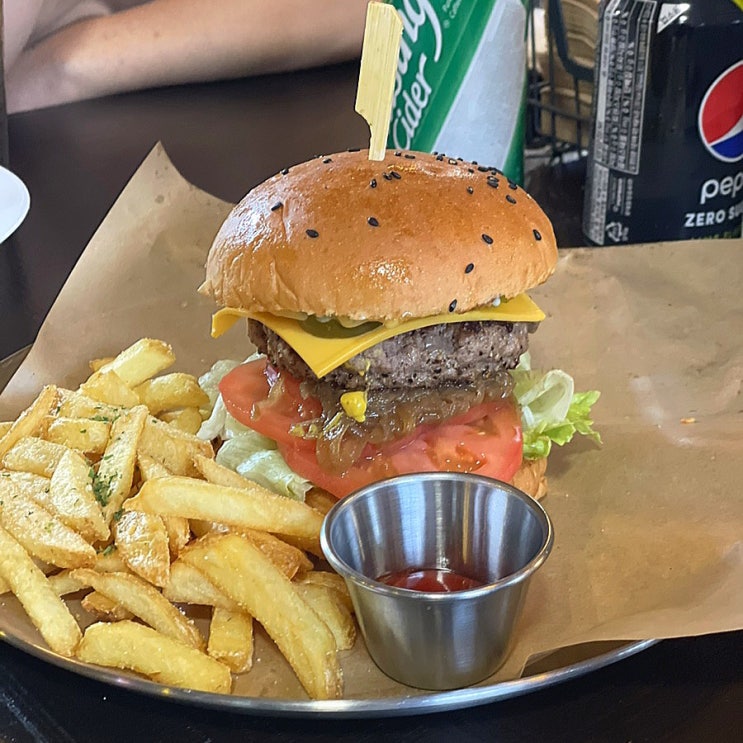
(168, 42)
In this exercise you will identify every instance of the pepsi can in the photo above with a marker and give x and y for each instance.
(666, 154)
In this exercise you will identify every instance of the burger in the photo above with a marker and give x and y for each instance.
(387, 303)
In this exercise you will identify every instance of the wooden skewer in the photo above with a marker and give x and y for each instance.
(382, 36)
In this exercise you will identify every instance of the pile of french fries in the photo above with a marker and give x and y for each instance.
(107, 494)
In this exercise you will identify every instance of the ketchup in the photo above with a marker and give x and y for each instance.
(430, 580)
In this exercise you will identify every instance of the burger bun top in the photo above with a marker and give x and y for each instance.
(411, 236)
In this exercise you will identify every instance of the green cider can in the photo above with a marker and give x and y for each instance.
(460, 86)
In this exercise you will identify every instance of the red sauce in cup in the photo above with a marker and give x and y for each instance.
(430, 580)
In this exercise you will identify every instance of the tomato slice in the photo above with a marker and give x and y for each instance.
(257, 396)
(485, 440)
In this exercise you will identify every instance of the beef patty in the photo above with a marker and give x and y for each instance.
(436, 356)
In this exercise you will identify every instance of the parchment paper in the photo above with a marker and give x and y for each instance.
(648, 526)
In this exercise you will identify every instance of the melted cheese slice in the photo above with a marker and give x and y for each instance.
(324, 354)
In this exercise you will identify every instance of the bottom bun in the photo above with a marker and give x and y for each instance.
(530, 477)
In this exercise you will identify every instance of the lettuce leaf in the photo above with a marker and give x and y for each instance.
(213, 426)
(255, 456)
(551, 411)
(243, 450)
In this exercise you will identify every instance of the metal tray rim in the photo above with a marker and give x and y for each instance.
(339, 708)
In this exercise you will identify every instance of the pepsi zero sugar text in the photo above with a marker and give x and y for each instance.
(666, 157)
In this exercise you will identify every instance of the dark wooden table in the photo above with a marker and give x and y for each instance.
(225, 138)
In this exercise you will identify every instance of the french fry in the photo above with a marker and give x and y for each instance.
(142, 543)
(231, 639)
(188, 420)
(31, 485)
(253, 508)
(77, 405)
(41, 534)
(150, 468)
(332, 581)
(45, 567)
(109, 561)
(103, 609)
(96, 364)
(113, 481)
(170, 392)
(71, 496)
(145, 602)
(30, 420)
(143, 359)
(5, 426)
(240, 570)
(85, 435)
(46, 610)
(218, 474)
(187, 585)
(179, 529)
(109, 388)
(179, 534)
(137, 648)
(311, 545)
(31, 454)
(172, 448)
(288, 559)
(63, 583)
(331, 609)
(320, 500)
(202, 528)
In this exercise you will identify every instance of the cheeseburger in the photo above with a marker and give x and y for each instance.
(388, 303)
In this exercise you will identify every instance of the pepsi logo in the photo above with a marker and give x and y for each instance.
(721, 115)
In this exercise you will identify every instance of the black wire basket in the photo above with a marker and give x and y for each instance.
(560, 83)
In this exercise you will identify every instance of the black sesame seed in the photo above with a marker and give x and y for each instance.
(470, 190)
(510, 199)
(537, 234)
(387, 176)
(276, 206)
(439, 157)
(487, 239)
(469, 268)
(474, 162)
(396, 175)
(493, 182)
(398, 153)
(354, 149)
(327, 160)
(408, 156)
(453, 305)
(512, 185)
(312, 233)
(373, 182)
(483, 168)
(373, 221)
(469, 170)
(285, 171)
(495, 171)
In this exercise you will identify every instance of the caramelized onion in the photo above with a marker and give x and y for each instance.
(391, 415)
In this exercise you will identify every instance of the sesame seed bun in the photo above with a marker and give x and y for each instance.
(411, 236)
